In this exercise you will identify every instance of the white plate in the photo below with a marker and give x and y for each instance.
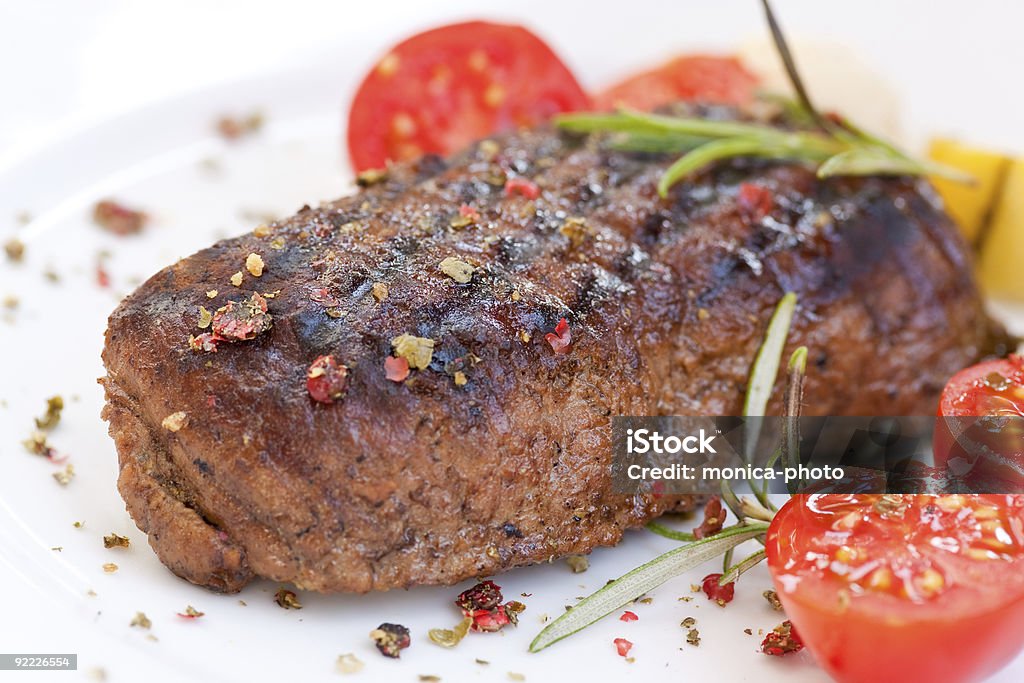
(153, 157)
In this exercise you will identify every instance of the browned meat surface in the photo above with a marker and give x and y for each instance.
(433, 480)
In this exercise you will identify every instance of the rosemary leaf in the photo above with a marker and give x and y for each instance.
(730, 499)
(871, 160)
(691, 126)
(749, 562)
(792, 409)
(769, 357)
(707, 154)
(663, 530)
(841, 150)
(656, 143)
(642, 580)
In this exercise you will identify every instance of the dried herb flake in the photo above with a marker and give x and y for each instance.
(54, 406)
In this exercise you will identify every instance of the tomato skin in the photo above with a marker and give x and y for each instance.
(441, 89)
(992, 388)
(963, 634)
(698, 78)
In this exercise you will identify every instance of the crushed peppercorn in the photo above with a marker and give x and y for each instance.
(396, 369)
(233, 128)
(456, 269)
(522, 187)
(561, 339)
(326, 379)
(205, 318)
(482, 604)
(349, 664)
(37, 444)
(64, 477)
(773, 599)
(287, 599)
(714, 518)
(782, 640)
(242, 320)
(118, 218)
(175, 421)
(719, 593)
(755, 201)
(622, 646)
(575, 229)
(467, 216)
(254, 264)
(390, 639)
(371, 176)
(578, 563)
(116, 541)
(15, 249)
(140, 620)
(418, 351)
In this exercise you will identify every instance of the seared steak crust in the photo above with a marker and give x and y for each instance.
(427, 481)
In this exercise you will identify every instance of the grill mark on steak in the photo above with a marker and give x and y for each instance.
(418, 482)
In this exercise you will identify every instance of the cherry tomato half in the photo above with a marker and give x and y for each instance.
(979, 434)
(902, 588)
(444, 88)
(698, 78)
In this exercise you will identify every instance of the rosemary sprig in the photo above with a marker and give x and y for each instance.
(836, 146)
(803, 97)
(662, 530)
(644, 578)
(753, 516)
(842, 150)
(749, 562)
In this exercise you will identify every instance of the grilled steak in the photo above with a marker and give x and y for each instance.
(492, 450)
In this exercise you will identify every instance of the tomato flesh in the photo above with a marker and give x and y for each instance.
(902, 588)
(979, 434)
(698, 78)
(441, 89)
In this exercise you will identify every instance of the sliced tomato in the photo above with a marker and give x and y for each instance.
(442, 89)
(902, 588)
(698, 78)
(979, 434)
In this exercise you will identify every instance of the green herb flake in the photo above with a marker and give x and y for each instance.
(54, 406)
